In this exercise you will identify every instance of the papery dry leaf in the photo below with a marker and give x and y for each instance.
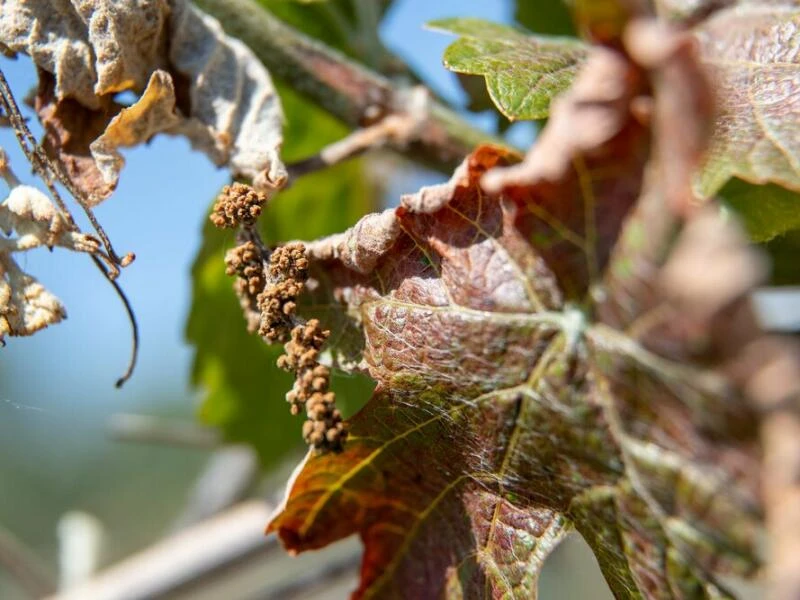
(69, 129)
(25, 305)
(235, 114)
(152, 113)
(94, 48)
(34, 218)
(523, 382)
(227, 106)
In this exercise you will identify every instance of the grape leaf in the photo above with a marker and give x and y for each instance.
(523, 72)
(90, 51)
(750, 53)
(550, 17)
(536, 358)
(244, 389)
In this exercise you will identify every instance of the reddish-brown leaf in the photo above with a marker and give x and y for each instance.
(543, 363)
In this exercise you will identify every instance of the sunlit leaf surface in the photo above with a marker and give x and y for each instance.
(523, 72)
(536, 365)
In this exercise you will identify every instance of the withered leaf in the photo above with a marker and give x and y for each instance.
(69, 130)
(225, 103)
(152, 113)
(25, 305)
(747, 47)
(93, 48)
(523, 386)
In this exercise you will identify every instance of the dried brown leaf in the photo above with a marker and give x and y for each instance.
(36, 221)
(152, 113)
(69, 129)
(226, 104)
(25, 305)
(94, 48)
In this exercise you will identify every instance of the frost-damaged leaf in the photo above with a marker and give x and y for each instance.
(153, 112)
(93, 48)
(194, 80)
(751, 53)
(234, 113)
(523, 72)
(29, 219)
(519, 391)
(25, 305)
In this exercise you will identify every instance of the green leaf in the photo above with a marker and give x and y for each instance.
(549, 17)
(244, 388)
(523, 72)
(766, 210)
(751, 55)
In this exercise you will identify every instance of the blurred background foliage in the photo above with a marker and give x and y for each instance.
(197, 360)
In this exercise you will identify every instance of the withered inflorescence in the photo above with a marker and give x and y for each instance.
(237, 204)
(288, 272)
(324, 428)
(246, 261)
(268, 285)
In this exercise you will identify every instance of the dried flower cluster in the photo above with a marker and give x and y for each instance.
(268, 285)
(237, 204)
(288, 271)
(246, 261)
(324, 429)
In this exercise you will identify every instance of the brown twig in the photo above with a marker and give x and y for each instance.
(30, 147)
(126, 303)
(397, 130)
